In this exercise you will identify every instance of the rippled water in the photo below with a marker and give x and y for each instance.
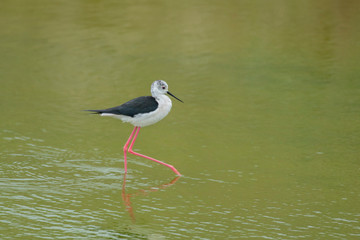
(267, 139)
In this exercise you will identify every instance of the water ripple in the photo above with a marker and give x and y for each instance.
(57, 193)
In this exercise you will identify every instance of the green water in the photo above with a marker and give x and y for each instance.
(268, 139)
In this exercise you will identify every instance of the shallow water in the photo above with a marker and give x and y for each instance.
(267, 139)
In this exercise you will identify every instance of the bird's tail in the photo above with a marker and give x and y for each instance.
(95, 111)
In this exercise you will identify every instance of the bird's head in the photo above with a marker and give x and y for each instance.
(160, 87)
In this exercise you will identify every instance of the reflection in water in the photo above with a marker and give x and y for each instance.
(127, 196)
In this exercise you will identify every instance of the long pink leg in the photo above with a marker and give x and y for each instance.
(126, 148)
(152, 159)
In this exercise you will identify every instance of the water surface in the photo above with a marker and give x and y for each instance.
(267, 139)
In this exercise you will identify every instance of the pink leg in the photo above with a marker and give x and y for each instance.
(126, 148)
(152, 159)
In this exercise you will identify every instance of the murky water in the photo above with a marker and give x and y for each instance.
(267, 139)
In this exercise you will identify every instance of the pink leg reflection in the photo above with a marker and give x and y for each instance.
(142, 192)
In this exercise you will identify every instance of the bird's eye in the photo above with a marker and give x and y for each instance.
(163, 87)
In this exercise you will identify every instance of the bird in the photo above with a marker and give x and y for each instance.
(141, 112)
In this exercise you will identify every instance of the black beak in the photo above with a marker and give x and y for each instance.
(173, 96)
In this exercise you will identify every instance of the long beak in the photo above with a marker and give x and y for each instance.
(173, 96)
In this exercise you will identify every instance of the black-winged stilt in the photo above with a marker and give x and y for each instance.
(141, 112)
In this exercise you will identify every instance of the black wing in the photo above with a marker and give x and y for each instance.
(135, 106)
